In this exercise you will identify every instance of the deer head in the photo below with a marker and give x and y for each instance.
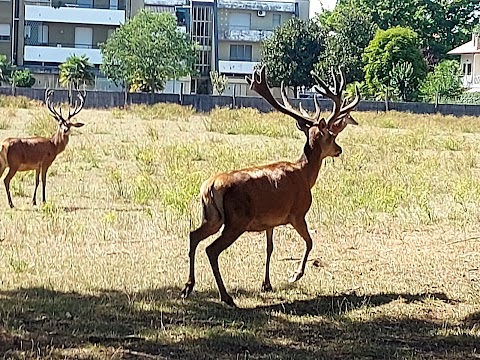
(321, 133)
(65, 122)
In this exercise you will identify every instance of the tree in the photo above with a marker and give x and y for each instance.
(219, 82)
(4, 69)
(291, 53)
(349, 32)
(441, 25)
(74, 71)
(401, 79)
(390, 48)
(443, 82)
(147, 51)
(22, 78)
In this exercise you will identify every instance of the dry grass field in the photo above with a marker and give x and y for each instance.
(96, 272)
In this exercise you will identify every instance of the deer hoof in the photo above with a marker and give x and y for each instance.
(267, 287)
(295, 277)
(186, 290)
(227, 299)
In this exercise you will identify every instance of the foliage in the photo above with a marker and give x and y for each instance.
(443, 82)
(291, 53)
(147, 51)
(22, 78)
(76, 70)
(389, 48)
(219, 82)
(401, 79)
(4, 69)
(349, 32)
(440, 25)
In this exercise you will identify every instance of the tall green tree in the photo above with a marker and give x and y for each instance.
(440, 24)
(76, 70)
(350, 30)
(388, 49)
(443, 82)
(147, 51)
(291, 53)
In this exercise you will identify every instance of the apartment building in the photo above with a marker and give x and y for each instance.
(242, 27)
(41, 34)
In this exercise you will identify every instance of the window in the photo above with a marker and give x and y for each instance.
(239, 21)
(83, 37)
(4, 32)
(241, 52)
(467, 69)
(277, 20)
(110, 32)
(43, 34)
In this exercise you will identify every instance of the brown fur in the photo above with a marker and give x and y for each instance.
(261, 198)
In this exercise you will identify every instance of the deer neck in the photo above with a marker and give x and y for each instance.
(310, 162)
(60, 141)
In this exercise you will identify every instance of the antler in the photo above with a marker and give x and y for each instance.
(79, 103)
(48, 101)
(258, 83)
(57, 114)
(340, 107)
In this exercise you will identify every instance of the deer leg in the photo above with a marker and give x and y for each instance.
(204, 231)
(228, 237)
(44, 182)
(11, 173)
(37, 181)
(266, 285)
(302, 229)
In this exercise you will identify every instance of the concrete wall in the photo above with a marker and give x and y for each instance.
(205, 103)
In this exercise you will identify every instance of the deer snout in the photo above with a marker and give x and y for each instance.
(338, 151)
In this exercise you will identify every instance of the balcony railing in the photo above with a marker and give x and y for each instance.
(470, 81)
(58, 53)
(29, 42)
(236, 67)
(245, 34)
(76, 4)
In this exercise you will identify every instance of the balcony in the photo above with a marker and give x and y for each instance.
(471, 82)
(277, 6)
(58, 53)
(245, 34)
(74, 14)
(236, 67)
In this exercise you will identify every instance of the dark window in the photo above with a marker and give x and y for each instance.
(241, 52)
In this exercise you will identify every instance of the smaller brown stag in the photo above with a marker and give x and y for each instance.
(38, 153)
(261, 198)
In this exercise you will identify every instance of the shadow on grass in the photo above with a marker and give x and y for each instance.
(155, 324)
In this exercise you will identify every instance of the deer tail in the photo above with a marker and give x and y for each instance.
(212, 201)
(3, 159)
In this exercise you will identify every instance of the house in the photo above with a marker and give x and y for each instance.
(470, 62)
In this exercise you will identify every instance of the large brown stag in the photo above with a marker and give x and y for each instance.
(261, 198)
(38, 153)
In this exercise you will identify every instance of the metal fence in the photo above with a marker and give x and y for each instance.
(205, 103)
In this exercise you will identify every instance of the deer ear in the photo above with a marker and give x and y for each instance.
(339, 125)
(77, 124)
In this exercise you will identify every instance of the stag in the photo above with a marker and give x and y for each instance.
(261, 198)
(38, 153)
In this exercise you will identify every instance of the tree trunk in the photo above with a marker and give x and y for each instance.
(386, 100)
